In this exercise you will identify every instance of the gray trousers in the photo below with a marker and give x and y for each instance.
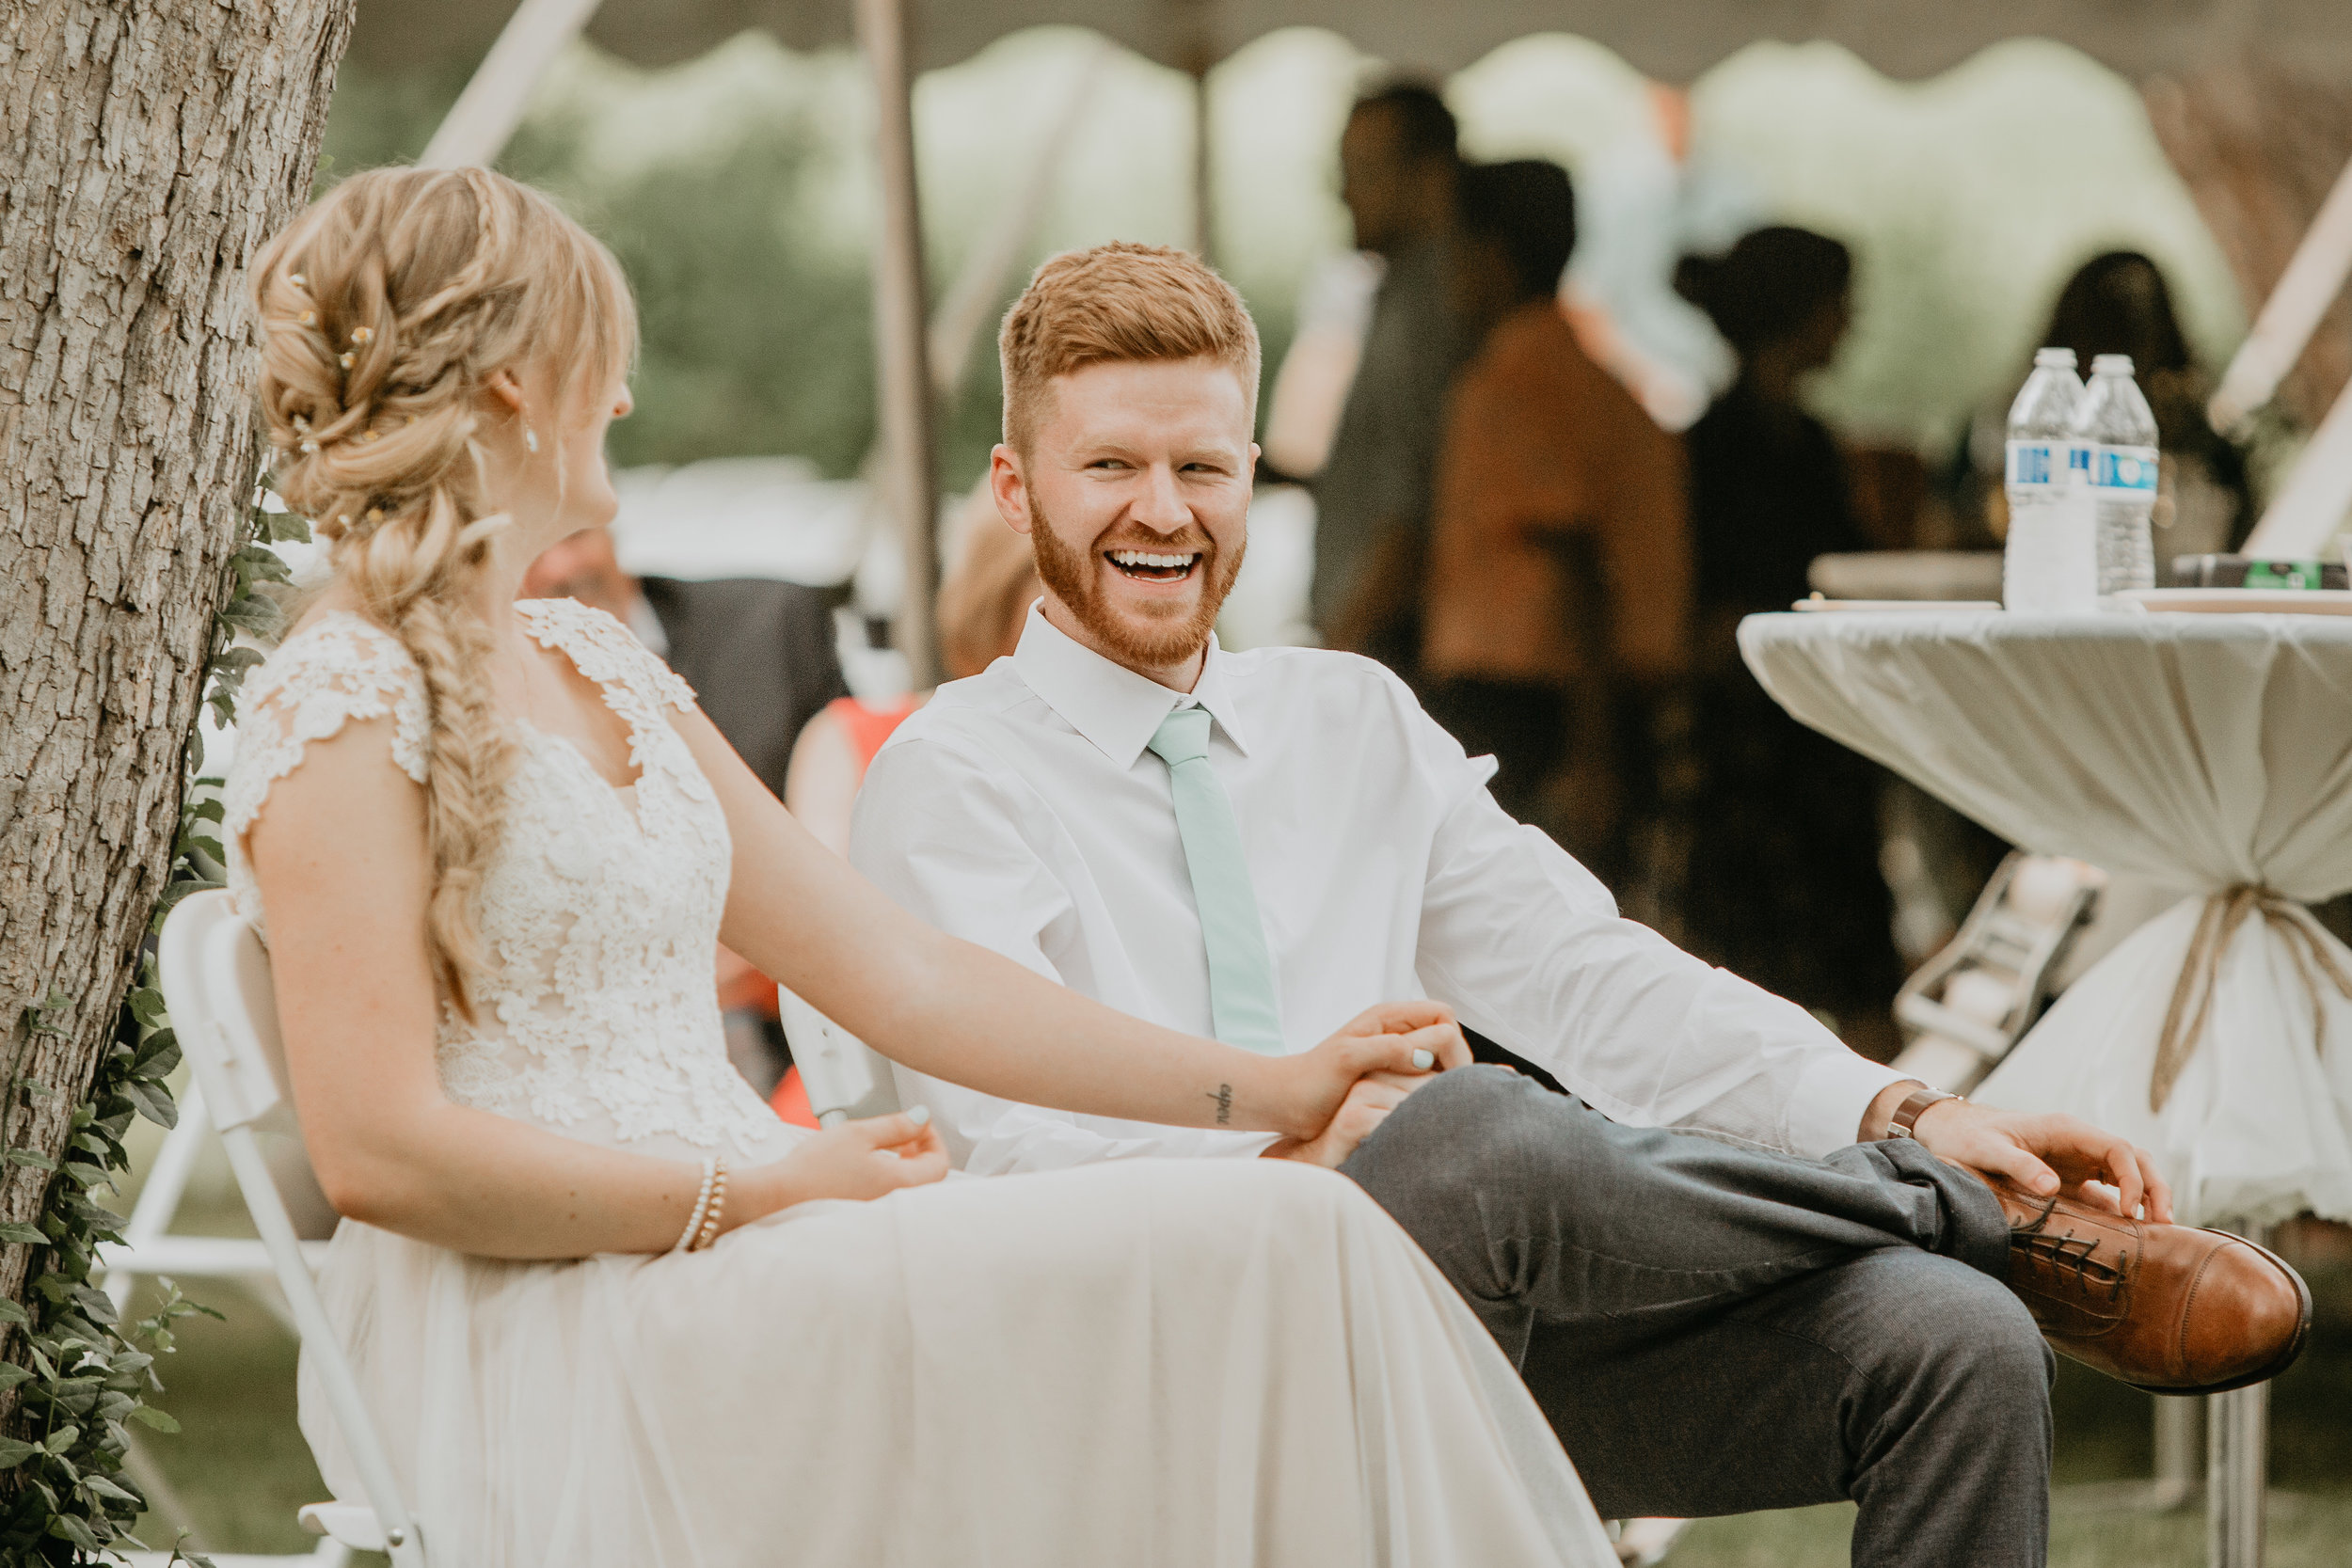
(1714, 1330)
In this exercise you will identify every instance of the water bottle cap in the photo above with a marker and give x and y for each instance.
(2111, 364)
(2055, 357)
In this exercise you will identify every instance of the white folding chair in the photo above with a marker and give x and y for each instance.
(216, 981)
(149, 1247)
(844, 1076)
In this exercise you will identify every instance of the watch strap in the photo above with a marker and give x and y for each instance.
(1904, 1123)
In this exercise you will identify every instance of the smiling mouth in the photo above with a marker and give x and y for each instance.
(1154, 566)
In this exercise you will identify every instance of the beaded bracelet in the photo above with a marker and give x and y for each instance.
(702, 1206)
(709, 1229)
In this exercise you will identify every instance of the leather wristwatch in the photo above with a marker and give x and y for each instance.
(1904, 1123)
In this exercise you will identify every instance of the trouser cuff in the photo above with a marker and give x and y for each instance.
(1976, 1231)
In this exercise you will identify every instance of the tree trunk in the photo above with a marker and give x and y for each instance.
(151, 147)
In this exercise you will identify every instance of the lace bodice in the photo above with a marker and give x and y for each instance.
(599, 911)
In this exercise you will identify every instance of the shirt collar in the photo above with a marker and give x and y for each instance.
(1116, 709)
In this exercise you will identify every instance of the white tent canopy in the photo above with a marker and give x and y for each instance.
(1676, 41)
(899, 38)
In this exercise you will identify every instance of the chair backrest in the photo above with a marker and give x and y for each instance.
(844, 1077)
(215, 979)
(214, 975)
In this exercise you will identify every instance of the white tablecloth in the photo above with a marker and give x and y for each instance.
(2209, 754)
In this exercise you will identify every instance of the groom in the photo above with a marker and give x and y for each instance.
(1794, 1308)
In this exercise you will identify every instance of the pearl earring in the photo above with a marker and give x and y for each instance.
(531, 438)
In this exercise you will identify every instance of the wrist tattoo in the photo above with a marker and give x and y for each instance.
(1224, 1097)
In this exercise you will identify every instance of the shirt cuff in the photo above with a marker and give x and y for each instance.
(1825, 1113)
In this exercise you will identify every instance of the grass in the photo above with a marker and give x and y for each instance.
(2304, 1532)
(240, 1469)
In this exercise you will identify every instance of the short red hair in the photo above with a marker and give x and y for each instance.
(1117, 303)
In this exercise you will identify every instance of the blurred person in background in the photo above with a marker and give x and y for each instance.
(983, 603)
(2118, 303)
(1559, 591)
(1784, 886)
(1398, 168)
(759, 654)
(758, 651)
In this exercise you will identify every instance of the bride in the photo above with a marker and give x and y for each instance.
(610, 1310)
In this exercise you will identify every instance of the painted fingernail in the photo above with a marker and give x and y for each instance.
(1424, 1060)
(921, 1115)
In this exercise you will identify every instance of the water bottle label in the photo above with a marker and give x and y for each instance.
(2124, 468)
(2037, 465)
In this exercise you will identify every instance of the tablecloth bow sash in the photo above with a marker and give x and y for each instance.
(2299, 933)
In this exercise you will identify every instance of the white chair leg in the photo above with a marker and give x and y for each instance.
(166, 1183)
(332, 1553)
(2237, 1438)
(1642, 1542)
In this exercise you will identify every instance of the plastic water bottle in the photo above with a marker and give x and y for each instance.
(2116, 428)
(2050, 564)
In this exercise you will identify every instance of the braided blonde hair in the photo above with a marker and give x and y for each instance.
(385, 310)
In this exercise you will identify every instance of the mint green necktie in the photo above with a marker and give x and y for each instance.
(1241, 972)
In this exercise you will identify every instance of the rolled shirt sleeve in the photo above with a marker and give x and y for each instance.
(943, 838)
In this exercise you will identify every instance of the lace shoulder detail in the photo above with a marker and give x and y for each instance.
(338, 669)
(605, 651)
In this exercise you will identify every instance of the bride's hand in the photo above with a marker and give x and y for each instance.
(862, 1160)
(1410, 1039)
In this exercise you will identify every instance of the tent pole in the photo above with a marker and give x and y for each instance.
(1193, 33)
(2308, 285)
(480, 123)
(979, 282)
(1204, 171)
(2311, 505)
(902, 378)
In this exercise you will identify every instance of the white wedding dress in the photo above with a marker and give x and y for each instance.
(1190, 1364)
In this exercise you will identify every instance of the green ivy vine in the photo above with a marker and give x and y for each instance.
(78, 1371)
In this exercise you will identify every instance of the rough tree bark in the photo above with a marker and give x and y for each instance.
(148, 148)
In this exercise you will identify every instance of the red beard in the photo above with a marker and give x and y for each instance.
(1069, 576)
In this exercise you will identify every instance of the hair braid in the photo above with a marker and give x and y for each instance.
(385, 310)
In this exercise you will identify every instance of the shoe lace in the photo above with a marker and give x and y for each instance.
(2067, 1250)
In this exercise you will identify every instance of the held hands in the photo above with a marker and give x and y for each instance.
(2043, 1154)
(860, 1160)
(1367, 1105)
(1349, 1084)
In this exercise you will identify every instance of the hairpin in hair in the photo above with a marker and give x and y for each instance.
(308, 318)
(375, 514)
(344, 360)
(371, 436)
(363, 335)
(298, 281)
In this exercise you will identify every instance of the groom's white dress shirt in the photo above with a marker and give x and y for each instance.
(1020, 810)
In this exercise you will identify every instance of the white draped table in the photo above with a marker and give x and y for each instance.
(2212, 753)
(2207, 752)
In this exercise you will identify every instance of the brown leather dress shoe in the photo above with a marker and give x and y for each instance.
(2169, 1308)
